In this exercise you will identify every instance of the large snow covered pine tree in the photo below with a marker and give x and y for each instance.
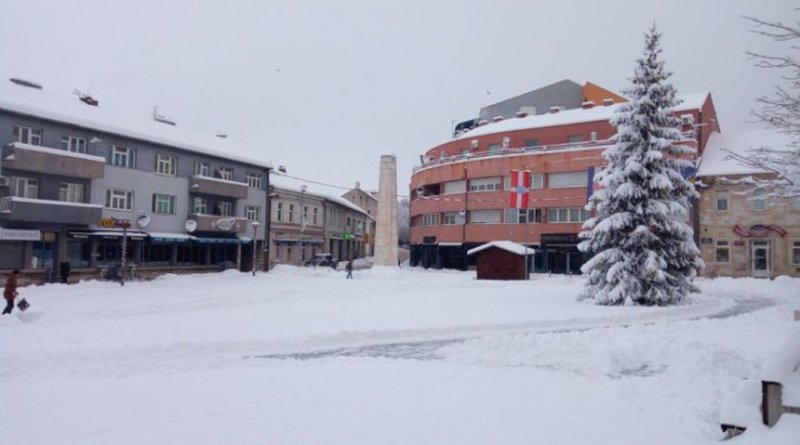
(644, 249)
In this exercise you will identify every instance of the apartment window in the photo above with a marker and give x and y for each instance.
(523, 216)
(796, 253)
(163, 203)
(567, 215)
(465, 152)
(200, 206)
(224, 209)
(252, 212)
(485, 184)
(759, 202)
(531, 143)
(119, 199)
(574, 138)
(166, 164)
(430, 219)
(455, 187)
(28, 135)
(201, 168)
(484, 216)
(254, 180)
(452, 218)
(567, 179)
(495, 148)
(723, 252)
(291, 212)
(315, 215)
(722, 201)
(69, 192)
(73, 144)
(348, 222)
(226, 173)
(280, 211)
(305, 214)
(123, 157)
(25, 187)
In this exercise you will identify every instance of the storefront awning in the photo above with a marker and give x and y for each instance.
(167, 237)
(132, 234)
(311, 241)
(217, 240)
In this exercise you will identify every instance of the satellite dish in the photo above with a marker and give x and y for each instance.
(190, 225)
(143, 221)
(420, 191)
(225, 224)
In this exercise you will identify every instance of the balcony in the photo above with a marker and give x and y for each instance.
(53, 161)
(219, 187)
(13, 208)
(220, 224)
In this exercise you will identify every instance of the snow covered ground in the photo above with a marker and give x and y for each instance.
(395, 356)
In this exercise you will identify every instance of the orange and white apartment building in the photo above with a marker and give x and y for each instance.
(460, 190)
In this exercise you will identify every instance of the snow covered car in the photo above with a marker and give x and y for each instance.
(321, 259)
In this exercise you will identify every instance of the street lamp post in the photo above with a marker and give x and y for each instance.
(255, 225)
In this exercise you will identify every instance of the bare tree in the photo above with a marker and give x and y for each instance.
(779, 111)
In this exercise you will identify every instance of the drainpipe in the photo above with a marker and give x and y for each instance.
(267, 226)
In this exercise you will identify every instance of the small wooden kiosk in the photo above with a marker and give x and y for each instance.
(503, 260)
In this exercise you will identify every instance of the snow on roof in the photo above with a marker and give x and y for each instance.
(716, 161)
(510, 246)
(574, 116)
(293, 184)
(68, 109)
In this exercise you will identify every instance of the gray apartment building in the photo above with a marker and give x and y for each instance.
(77, 179)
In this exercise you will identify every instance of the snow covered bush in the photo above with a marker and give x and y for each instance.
(644, 249)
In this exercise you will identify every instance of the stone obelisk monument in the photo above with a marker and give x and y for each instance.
(386, 225)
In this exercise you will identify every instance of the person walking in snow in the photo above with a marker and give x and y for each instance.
(10, 292)
(349, 269)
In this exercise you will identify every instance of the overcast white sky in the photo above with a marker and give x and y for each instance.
(326, 87)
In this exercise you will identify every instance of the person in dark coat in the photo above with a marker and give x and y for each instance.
(10, 292)
(349, 269)
(65, 268)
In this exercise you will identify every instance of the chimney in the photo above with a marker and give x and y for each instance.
(587, 105)
(358, 185)
(608, 102)
(555, 109)
(497, 118)
(521, 114)
(282, 169)
(482, 122)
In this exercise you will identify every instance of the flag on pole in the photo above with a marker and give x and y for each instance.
(520, 185)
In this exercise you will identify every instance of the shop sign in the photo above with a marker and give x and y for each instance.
(738, 243)
(115, 223)
(706, 240)
(20, 235)
(559, 238)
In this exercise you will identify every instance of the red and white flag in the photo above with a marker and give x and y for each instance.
(520, 185)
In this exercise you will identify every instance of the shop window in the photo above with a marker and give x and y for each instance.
(723, 252)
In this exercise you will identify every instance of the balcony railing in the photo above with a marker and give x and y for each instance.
(220, 224)
(13, 208)
(219, 187)
(54, 161)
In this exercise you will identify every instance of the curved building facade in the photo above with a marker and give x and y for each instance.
(460, 192)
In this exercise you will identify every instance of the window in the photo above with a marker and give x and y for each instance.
(305, 215)
(485, 184)
(315, 215)
(200, 206)
(166, 164)
(252, 212)
(567, 215)
(531, 143)
(484, 216)
(25, 187)
(74, 144)
(28, 135)
(568, 179)
(796, 253)
(495, 148)
(430, 219)
(455, 187)
(523, 216)
(465, 152)
(280, 211)
(123, 157)
(759, 202)
(254, 180)
(200, 168)
(452, 218)
(291, 212)
(574, 138)
(226, 173)
(70, 192)
(119, 199)
(723, 252)
(163, 203)
(722, 204)
(224, 208)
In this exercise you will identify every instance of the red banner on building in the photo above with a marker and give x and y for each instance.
(520, 185)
